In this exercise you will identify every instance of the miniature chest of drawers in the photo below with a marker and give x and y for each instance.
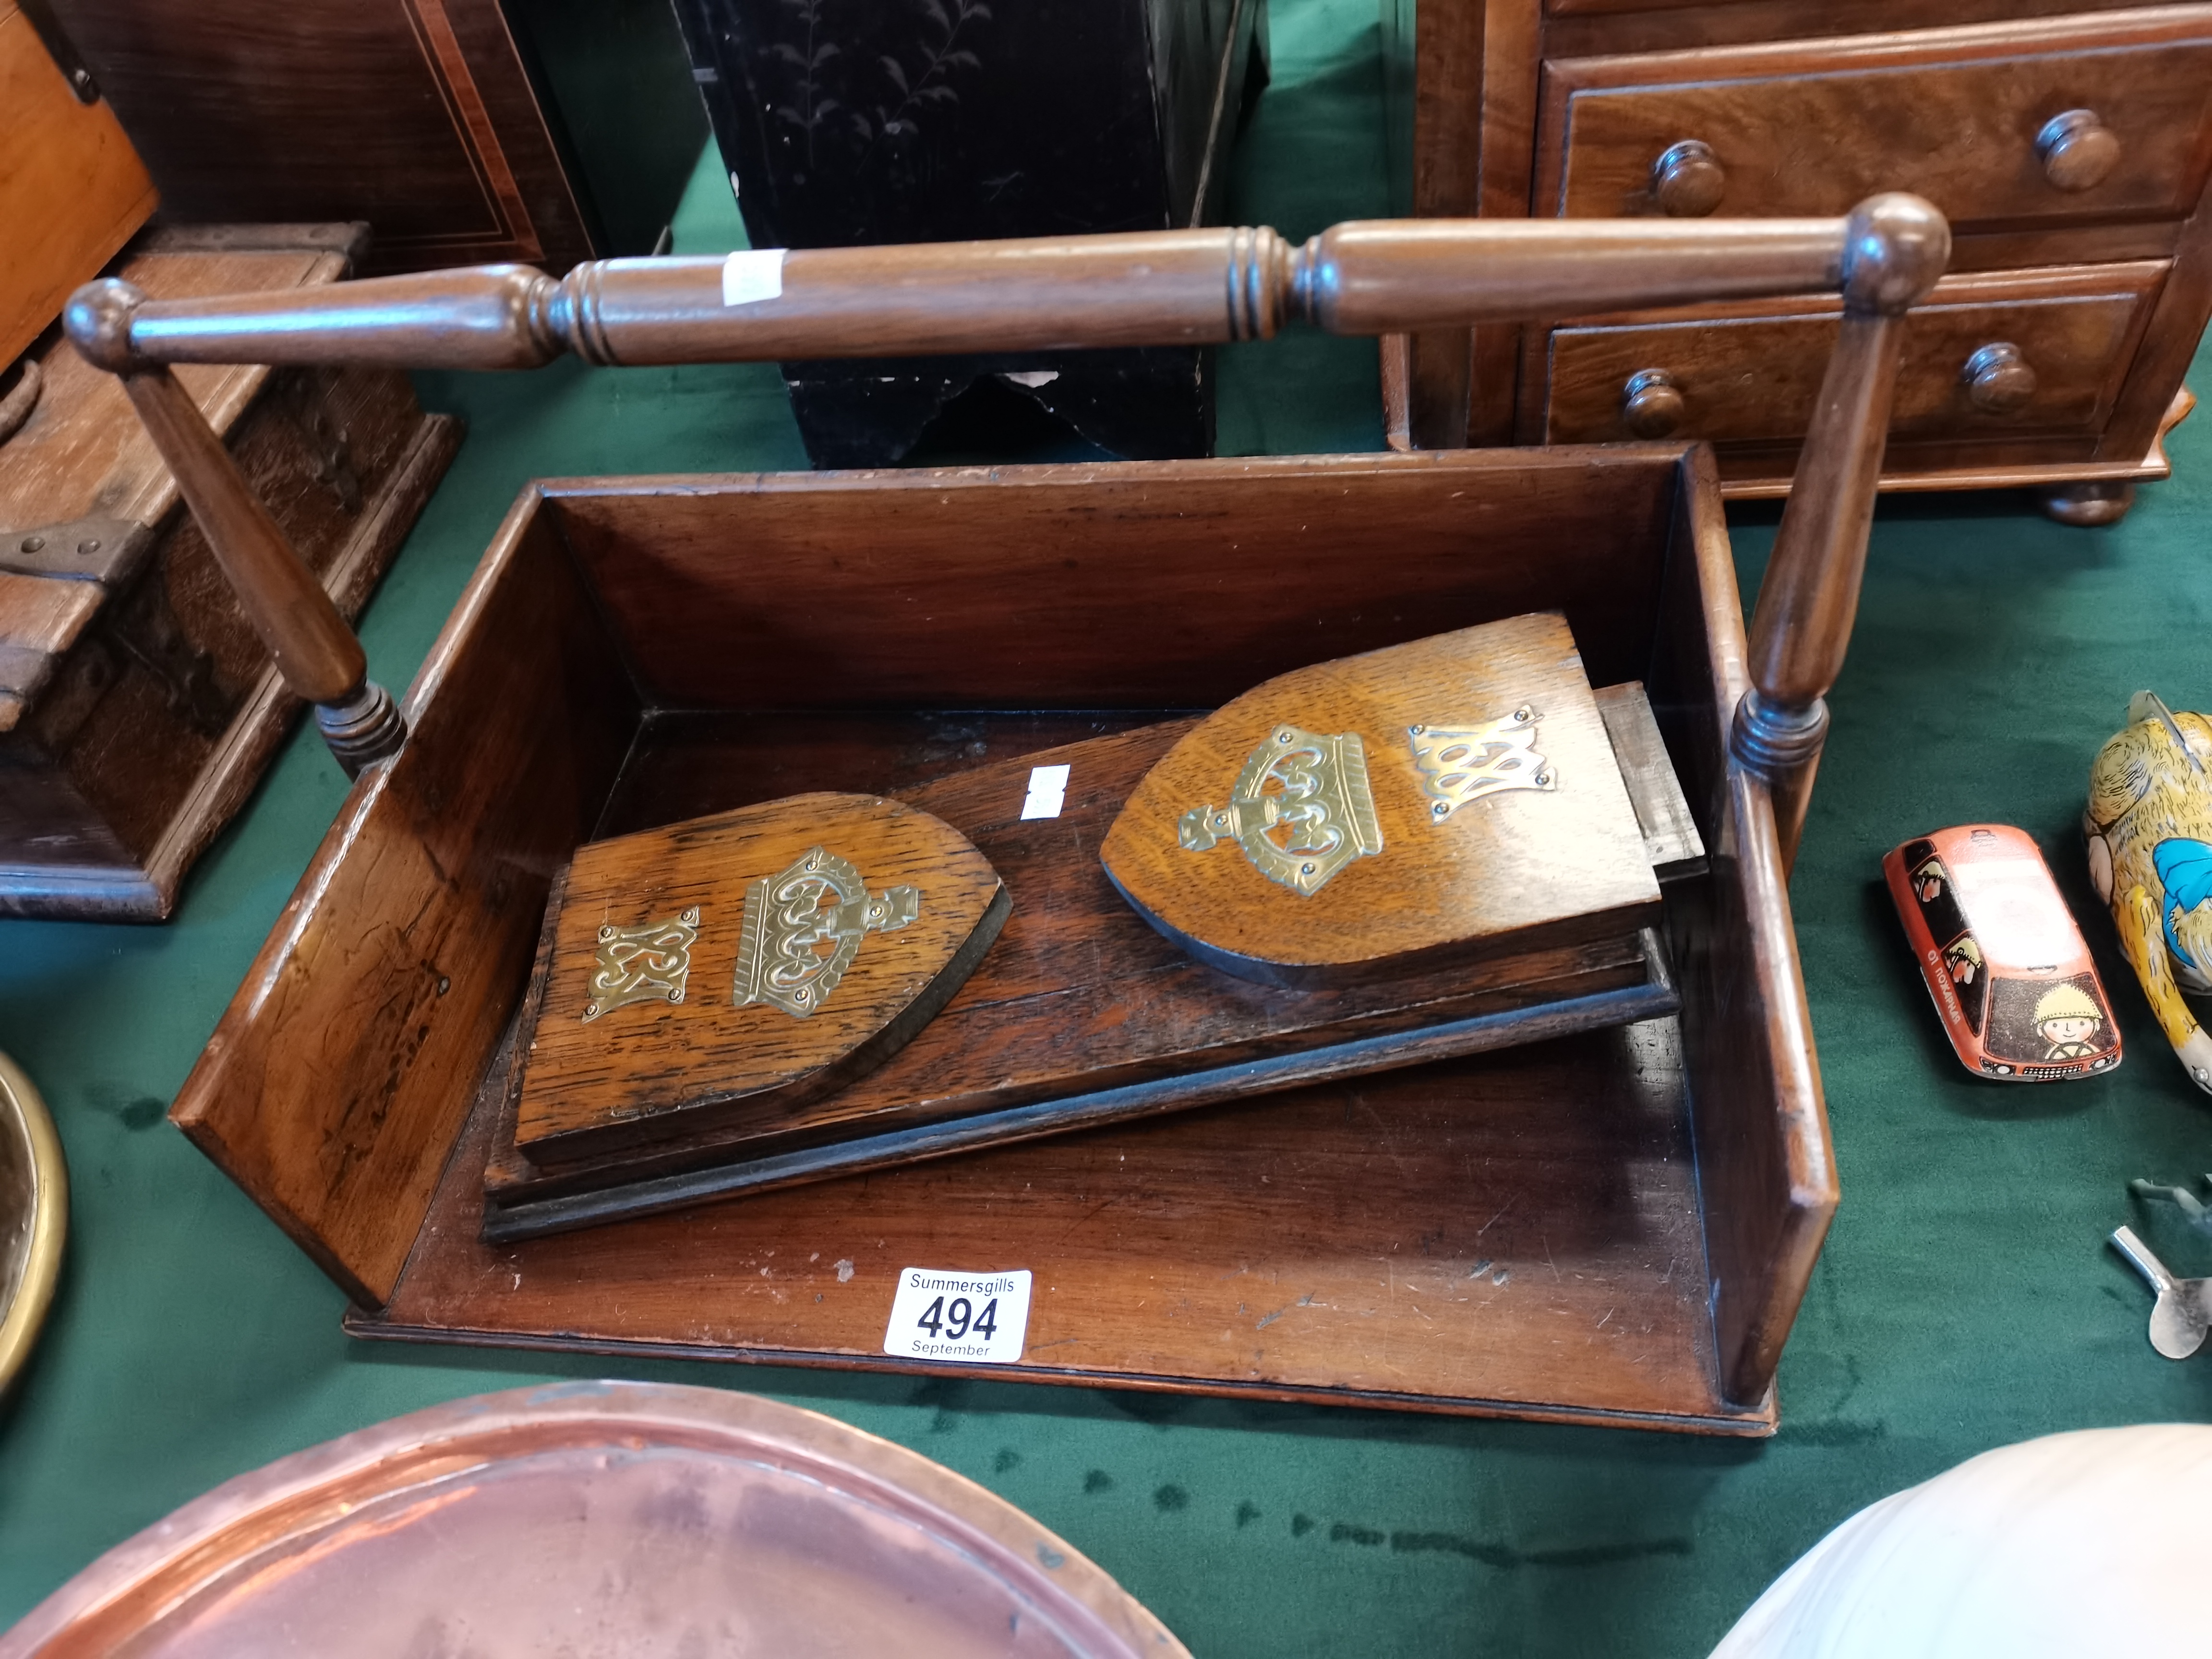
(2069, 145)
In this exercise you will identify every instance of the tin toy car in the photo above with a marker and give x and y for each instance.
(2007, 967)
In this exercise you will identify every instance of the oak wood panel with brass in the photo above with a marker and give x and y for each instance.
(609, 1065)
(1985, 356)
(2000, 125)
(1078, 1015)
(1559, 862)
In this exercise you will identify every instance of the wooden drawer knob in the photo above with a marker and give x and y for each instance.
(1651, 405)
(1688, 180)
(1998, 378)
(2077, 150)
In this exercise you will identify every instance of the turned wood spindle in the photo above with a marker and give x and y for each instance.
(1895, 249)
(314, 650)
(1145, 288)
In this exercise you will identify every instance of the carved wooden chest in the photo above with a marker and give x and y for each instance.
(137, 707)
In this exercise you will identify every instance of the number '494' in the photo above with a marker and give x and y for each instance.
(959, 1319)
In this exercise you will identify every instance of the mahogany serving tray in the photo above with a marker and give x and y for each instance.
(1614, 1227)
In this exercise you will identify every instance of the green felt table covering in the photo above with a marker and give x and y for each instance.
(1965, 1298)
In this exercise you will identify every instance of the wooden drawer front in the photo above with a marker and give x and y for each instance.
(1745, 376)
(1812, 127)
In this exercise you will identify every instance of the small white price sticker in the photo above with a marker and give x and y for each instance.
(1047, 792)
(973, 1319)
(751, 274)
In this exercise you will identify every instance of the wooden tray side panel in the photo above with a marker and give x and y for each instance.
(1087, 586)
(338, 1079)
(1766, 1168)
(1445, 1237)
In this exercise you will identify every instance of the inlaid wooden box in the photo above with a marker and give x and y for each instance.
(1616, 1227)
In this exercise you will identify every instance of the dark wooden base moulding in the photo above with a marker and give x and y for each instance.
(1613, 1226)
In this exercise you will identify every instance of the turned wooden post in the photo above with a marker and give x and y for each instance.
(314, 650)
(1895, 248)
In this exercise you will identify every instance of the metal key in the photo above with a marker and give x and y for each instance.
(2184, 1309)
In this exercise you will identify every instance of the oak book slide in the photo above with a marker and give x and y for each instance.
(1427, 850)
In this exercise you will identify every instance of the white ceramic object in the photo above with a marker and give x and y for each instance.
(2090, 1543)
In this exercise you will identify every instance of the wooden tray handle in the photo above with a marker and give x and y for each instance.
(1169, 287)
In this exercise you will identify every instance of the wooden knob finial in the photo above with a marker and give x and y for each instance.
(1895, 247)
(1652, 405)
(1688, 180)
(98, 320)
(1998, 378)
(2077, 150)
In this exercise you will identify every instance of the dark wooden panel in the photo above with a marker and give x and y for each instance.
(414, 115)
(1578, 29)
(1102, 586)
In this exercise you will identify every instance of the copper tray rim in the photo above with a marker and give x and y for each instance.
(23, 1110)
(129, 1590)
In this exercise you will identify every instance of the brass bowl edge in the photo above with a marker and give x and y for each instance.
(25, 1310)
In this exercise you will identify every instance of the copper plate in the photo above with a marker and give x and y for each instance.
(34, 1217)
(606, 1518)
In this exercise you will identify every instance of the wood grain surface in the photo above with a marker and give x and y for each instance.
(1752, 374)
(417, 116)
(1949, 114)
(1360, 1211)
(71, 188)
(1104, 586)
(1078, 1014)
(1516, 1234)
(1519, 870)
(595, 1077)
(1801, 102)
(338, 1080)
